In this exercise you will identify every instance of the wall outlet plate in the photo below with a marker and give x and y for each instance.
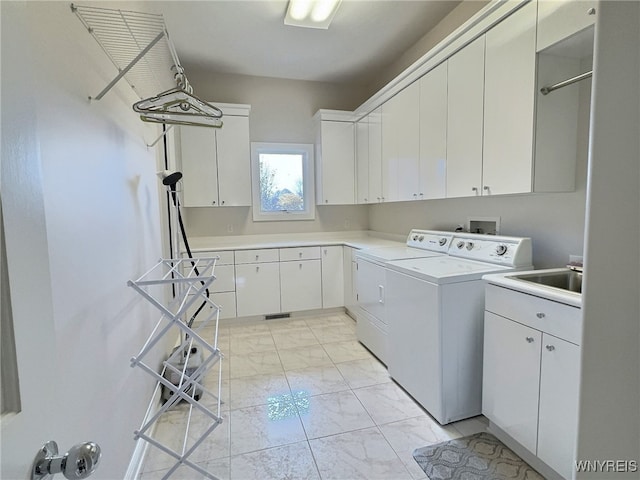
(484, 225)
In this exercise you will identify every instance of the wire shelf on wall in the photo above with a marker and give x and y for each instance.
(137, 44)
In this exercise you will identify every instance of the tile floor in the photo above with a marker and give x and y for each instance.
(304, 400)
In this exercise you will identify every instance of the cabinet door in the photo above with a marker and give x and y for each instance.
(199, 166)
(300, 287)
(433, 133)
(465, 80)
(375, 156)
(258, 288)
(362, 161)
(388, 150)
(348, 270)
(511, 378)
(336, 185)
(332, 276)
(510, 91)
(234, 162)
(407, 131)
(558, 417)
(371, 284)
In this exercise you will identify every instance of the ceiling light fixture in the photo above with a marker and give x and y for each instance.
(311, 13)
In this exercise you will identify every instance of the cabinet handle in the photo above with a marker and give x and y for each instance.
(551, 348)
(474, 189)
(415, 195)
(540, 315)
(422, 194)
(378, 198)
(591, 11)
(214, 202)
(300, 265)
(222, 202)
(486, 188)
(257, 269)
(366, 200)
(382, 198)
(529, 339)
(381, 294)
(326, 201)
(300, 254)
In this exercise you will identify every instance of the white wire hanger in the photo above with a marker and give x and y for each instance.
(178, 106)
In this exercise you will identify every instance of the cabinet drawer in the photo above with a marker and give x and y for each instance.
(299, 253)
(557, 319)
(226, 256)
(257, 256)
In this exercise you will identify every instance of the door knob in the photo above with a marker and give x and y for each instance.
(79, 462)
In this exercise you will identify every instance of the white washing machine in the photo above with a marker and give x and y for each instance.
(435, 309)
(372, 322)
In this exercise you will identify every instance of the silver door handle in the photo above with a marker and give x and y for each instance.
(381, 294)
(529, 339)
(79, 462)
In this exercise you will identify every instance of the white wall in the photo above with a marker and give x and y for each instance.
(96, 204)
(281, 111)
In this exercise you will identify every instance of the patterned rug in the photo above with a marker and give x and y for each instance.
(476, 457)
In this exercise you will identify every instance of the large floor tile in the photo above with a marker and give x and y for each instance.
(298, 337)
(364, 373)
(317, 380)
(251, 343)
(244, 328)
(363, 454)
(407, 435)
(387, 403)
(334, 413)
(302, 357)
(471, 426)
(256, 390)
(276, 326)
(334, 333)
(258, 363)
(346, 351)
(265, 426)
(287, 462)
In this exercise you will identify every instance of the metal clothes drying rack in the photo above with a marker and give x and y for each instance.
(191, 278)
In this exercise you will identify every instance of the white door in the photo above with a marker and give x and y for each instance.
(300, 287)
(258, 288)
(371, 284)
(332, 276)
(234, 162)
(199, 166)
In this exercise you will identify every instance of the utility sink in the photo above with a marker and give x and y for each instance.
(568, 280)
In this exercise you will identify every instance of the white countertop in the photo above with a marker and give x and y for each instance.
(550, 293)
(355, 239)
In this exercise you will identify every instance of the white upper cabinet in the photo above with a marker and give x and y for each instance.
(558, 20)
(464, 120)
(376, 179)
(433, 133)
(509, 100)
(216, 162)
(199, 166)
(362, 161)
(335, 158)
(234, 162)
(401, 144)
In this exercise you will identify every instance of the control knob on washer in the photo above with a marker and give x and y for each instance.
(421, 238)
(415, 238)
(460, 244)
(469, 245)
(501, 250)
(442, 241)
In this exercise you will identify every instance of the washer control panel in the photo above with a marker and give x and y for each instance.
(431, 240)
(510, 251)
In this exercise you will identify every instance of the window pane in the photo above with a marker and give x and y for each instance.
(281, 182)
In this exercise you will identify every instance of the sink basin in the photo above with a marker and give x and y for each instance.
(565, 280)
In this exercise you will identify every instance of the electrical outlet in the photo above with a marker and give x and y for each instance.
(229, 228)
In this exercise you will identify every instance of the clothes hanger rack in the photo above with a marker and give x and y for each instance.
(550, 88)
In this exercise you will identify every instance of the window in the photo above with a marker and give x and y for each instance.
(282, 181)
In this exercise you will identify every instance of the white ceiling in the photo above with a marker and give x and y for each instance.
(248, 37)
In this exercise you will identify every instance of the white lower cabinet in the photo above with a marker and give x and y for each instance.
(371, 327)
(258, 288)
(530, 377)
(332, 276)
(300, 285)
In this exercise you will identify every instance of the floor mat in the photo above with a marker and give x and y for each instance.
(476, 457)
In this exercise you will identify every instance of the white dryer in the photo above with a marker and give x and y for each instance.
(370, 283)
(435, 310)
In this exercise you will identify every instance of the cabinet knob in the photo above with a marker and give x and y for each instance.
(382, 198)
(529, 339)
(551, 348)
(257, 269)
(213, 203)
(486, 188)
(300, 254)
(378, 198)
(366, 200)
(540, 315)
(326, 201)
(415, 195)
(422, 194)
(591, 11)
(300, 265)
(474, 189)
(222, 202)
(257, 257)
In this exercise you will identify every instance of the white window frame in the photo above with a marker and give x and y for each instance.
(304, 149)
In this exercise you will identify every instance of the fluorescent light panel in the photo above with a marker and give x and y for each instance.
(311, 13)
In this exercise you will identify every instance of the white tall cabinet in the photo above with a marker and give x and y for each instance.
(465, 111)
(216, 162)
(509, 104)
(332, 276)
